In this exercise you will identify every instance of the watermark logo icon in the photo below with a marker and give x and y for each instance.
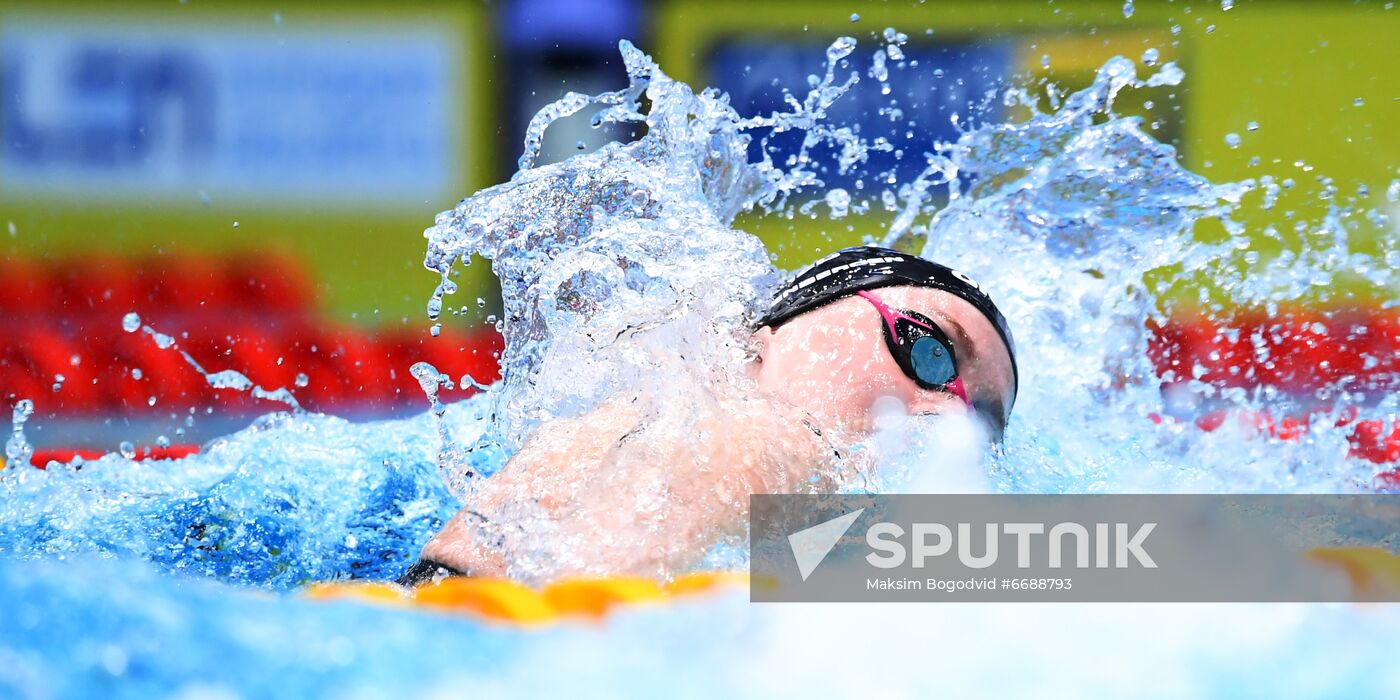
(811, 545)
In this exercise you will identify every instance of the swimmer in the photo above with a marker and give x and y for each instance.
(616, 492)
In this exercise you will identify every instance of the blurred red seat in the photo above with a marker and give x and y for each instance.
(1294, 352)
(50, 355)
(25, 287)
(164, 375)
(308, 354)
(17, 379)
(100, 284)
(260, 353)
(364, 367)
(1376, 441)
(63, 455)
(181, 283)
(268, 283)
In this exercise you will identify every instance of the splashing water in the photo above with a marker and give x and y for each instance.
(223, 379)
(455, 463)
(17, 448)
(1065, 217)
(620, 268)
(613, 263)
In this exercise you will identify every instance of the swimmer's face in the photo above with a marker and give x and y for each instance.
(833, 362)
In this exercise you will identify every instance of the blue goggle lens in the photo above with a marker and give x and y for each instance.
(932, 361)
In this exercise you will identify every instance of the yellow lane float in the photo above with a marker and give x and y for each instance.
(502, 600)
(1373, 572)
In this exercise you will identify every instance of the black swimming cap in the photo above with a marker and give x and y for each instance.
(852, 270)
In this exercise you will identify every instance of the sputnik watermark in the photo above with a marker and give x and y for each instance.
(1124, 541)
(1074, 548)
(811, 545)
(928, 540)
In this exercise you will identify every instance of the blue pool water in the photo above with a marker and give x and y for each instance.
(118, 628)
(181, 578)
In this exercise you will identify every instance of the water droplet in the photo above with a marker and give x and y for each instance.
(855, 16)
(235, 224)
(580, 145)
(1045, 61)
(131, 322)
(436, 330)
(1358, 102)
(840, 202)
(1128, 8)
(839, 49)
(1252, 126)
(878, 70)
(12, 229)
(127, 449)
(162, 441)
(302, 379)
(229, 379)
(136, 373)
(75, 360)
(151, 401)
(1232, 140)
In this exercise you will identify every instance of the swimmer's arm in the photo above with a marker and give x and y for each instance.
(620, 494)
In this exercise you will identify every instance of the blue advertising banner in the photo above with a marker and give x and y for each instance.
(352, 111)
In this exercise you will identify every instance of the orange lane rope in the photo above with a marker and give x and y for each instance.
(507, 601)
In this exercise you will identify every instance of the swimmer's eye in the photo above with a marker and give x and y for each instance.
(930, 351)
(920, 348)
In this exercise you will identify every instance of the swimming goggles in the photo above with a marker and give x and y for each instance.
(921, 349)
